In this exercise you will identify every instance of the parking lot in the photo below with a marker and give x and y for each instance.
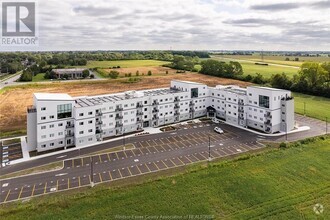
(10, 152)
(152, 153)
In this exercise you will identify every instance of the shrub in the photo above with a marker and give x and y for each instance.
(283, 145)
(149, 73)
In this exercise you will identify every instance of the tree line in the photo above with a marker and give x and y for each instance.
(312, 78)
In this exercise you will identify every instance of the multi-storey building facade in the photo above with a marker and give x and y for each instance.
(60, 121)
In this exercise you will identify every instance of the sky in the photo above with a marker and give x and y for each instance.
(182, 25)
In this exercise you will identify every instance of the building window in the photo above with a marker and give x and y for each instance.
(43, 109)
(43, 136)
(194, 93)
(81, 123)
(60, 142)
(264, 101)
(60, 133)
(43, 145)
(65, 111)
(90, 113)
(43, 118)
(51, 126)
(60, 124)
(43, 127)
(90, 139)
(51, 135)
(81, 132)
(51, 117)
(51, 144)
(90, 130)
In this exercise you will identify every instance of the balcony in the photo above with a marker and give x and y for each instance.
(191, 104)
(139, 105)
(119, 109)
(118, 125)
(241, 102)
(155, 110)
(176, 106)
(69, 126)
(268, 115)
(155, 118)
(98, 131)
(31, 109)
(155, 103)
(176, 113)
(268, 122)
(176, 99)
(241, 110)
(119, 117)
(98, 122)
(139, 113)
(71, 134)
(99, 113)
(191, 110)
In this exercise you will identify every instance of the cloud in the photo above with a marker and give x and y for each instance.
(275, 7)
(321, 5)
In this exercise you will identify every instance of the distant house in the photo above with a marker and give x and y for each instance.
(72, 73)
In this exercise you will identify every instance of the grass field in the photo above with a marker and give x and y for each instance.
(124, 63)
(39, 78)
(280, 59)
(277, 184)
(316, 107)
(266, 71)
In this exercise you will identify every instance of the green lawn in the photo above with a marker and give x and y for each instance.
(39, 78)
(278, 184)
(316, 106)
(124, 63)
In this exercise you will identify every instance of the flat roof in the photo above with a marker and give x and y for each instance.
(53, 96)
(188, 82)
(97, 100)
(60, 71)
(269, 88)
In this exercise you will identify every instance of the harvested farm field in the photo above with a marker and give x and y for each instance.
(14, 100)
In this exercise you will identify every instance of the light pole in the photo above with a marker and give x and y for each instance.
(210, 148)
(92, 176)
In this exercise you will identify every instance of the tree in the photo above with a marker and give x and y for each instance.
(85, 73)
(258, 79)
(287, 59)
(313, 73)
(237, 68)
(113, 74)
(137, 73)
(92, 76)
(26, 76)
(281, 81)
(149, 73)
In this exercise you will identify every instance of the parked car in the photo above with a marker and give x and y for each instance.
(6, 83)
(215, 120)
(218, 130)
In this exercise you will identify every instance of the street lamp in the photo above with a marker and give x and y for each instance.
(92, 176)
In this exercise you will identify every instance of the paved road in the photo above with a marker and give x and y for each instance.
(270, 64)
(151, 154)
(9, 82)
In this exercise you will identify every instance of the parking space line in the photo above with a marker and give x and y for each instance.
(34, 187)
(133, 153)
(117, 155)
(108, 157)
(7, 196)
(156, 148)
(187, 159)
(121, 175)
(110, 175)
(129, 170)
(161, 141)
(176, 145)
(90, 179)
(148, 149)
(45, 188)
(164, 164)
(214, 151)
(125, 153)
(139, 169)
(202, 155)
(162, 147)
(148, 144)
(156, 165)
(100, 158)
(195, 157)
(147, 167)
(154, 142)
(100, 177)
(19, 195)
(181, 160)
(172, 162)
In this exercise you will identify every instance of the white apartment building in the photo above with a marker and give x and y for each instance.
(61, 121)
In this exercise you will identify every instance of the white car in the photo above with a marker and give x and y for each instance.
(215, 120)
(218, 130)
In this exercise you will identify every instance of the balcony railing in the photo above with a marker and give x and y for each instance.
(139, 113)
(118, 109)
(155, 118)
(119, 125)
(176, 113)
(155, 110)
(69, 126)
(191, 110)
(268, 115)
(139, 105)
(155, 103)
(99, 113)
(191, 104)
(176, 106)
(119, 117)
(69, 134)
(98, 122)
(176, 100)
(98, 131)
